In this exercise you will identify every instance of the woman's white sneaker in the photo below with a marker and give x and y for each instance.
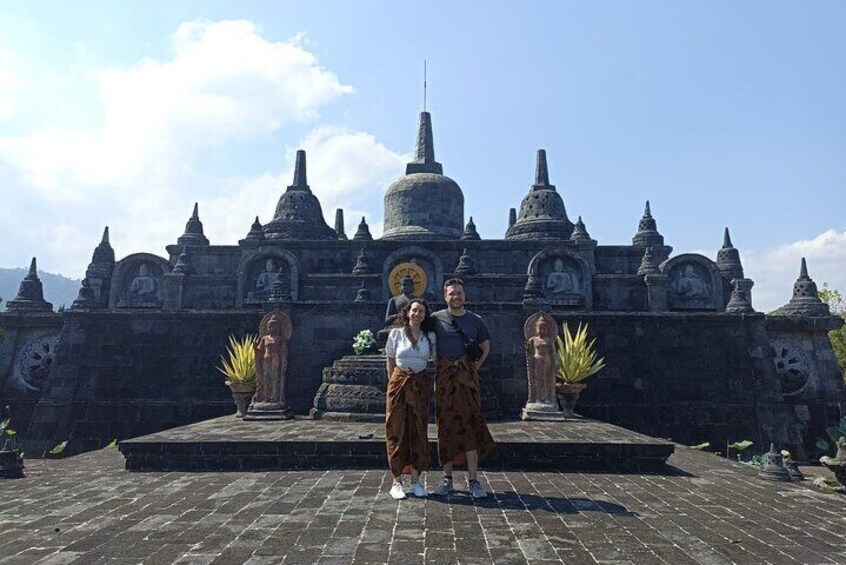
(397, 491)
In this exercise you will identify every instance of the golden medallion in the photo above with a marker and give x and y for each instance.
(413, 270)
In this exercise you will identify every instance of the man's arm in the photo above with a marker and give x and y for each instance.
(486, 348)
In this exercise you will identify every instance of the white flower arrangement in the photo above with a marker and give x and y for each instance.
(364, 342)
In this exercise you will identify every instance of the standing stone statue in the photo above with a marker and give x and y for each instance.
(269, 401)
(540, 331)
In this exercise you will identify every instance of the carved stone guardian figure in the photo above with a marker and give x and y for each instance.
(269, 402)
(540, 331)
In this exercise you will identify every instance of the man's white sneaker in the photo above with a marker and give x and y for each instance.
(444, 488)
(476, 489)
(418, 490)
(397, 491)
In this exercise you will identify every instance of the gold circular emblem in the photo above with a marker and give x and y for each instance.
(413, 270)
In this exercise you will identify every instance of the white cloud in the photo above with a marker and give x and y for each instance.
(775, 270)
(224, 84)
(140, 170)
(10, 83)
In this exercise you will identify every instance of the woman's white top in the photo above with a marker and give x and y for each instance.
(408, 357)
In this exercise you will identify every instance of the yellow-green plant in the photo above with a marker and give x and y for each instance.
(576, 356)
(240, 366)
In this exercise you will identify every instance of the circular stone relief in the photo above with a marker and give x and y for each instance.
(35, 362)
(413, 270)
(791, 365)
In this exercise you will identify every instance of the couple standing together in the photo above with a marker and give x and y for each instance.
(458, 340)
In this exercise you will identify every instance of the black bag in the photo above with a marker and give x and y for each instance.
(471, 346)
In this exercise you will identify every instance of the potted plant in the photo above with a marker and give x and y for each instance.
(576, 362)
(11, 453)
(240, 370)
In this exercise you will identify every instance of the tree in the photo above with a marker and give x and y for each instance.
(837, 303)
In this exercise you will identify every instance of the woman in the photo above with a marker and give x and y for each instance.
(410, 346)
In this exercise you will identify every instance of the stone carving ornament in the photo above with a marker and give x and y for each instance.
(791, 366)
(540, 331)
(690, 288)
(145, 287)
(35, 362)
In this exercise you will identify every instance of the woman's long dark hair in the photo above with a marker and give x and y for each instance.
(426, 325)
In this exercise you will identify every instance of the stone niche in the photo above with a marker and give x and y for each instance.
(415, 261)
(137, 281)
(693, 283)
(563, 276)
(257, 271)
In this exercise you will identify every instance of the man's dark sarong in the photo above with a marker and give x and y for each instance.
(406, 421)
(458, 408)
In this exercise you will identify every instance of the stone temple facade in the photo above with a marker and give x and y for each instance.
(687, 356)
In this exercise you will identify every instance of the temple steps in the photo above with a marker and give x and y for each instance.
(230, 444)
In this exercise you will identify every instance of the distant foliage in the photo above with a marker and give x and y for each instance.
(837, 303)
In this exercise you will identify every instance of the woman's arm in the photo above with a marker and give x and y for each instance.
(390, 363)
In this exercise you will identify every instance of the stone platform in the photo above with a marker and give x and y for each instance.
(228, 443)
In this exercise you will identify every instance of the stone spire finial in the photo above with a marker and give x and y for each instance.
(300, 179)
(85, 300)
(193, 230)
(339, 224)
(30, 296)
(103, 259)
(728, 259)
(512, 216)
(542, 173)
(363, 232)
(580, 232)
(648, 265)
(298, 213)
(255, 233)
(183, 263)
(741, 299)
(362, 263)
(542, 212)
(470, 233)
(362, 294)
(647, 230)
(805, 300)
(424, 154)
(466, 265)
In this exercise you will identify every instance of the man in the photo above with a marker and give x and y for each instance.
(463, 436)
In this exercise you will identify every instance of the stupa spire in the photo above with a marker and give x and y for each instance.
(363, 232)
(542, 173)
(728, 261)
(805, 300)
(30, 296)
(727, 239)
(300, 177)
(424, 153)
(647, 230)
(339, 223)
(193, 230)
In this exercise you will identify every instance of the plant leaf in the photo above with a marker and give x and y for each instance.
(113, 443)
(741, 445)
(701, 446)
(822, 445)
(59, 448)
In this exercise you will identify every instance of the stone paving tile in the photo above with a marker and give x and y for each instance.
(87, 510)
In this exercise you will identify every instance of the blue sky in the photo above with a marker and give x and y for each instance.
(720, 113)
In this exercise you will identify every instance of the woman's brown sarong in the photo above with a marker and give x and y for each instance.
(407, 421)
(458, 408)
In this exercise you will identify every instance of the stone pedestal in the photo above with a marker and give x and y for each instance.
(353, 389)
(544, 411)
(268, 411)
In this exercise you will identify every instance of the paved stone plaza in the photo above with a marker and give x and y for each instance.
(88, 510)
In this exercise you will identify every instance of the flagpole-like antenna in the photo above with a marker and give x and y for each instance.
(424, 85)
